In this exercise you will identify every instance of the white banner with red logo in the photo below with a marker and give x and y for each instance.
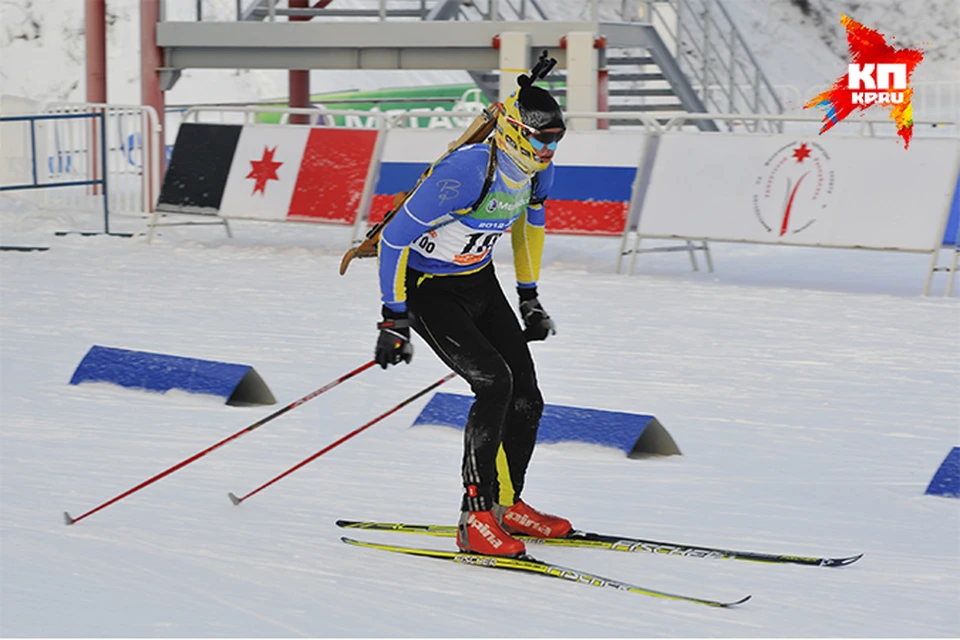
(802, 190)
(265, 165)
(298, 173)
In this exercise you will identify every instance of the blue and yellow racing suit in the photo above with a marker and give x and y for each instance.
(436, 262)
(443, 230)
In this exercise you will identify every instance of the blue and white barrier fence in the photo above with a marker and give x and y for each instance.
(95, 158)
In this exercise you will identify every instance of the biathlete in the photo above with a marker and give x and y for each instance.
(437, 276)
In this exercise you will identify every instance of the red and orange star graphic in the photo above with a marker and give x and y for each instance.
(868, 46)
(263, 170)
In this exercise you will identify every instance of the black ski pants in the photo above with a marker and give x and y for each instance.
(470, 325)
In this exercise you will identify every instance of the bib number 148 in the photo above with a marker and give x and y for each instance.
(481, 242)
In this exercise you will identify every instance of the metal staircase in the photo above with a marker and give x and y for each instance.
(712, 52)
(665, 56)
(699, 35)
(633, 75)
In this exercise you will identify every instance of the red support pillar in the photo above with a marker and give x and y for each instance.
(95, 24)
(603, 81)
(299, 80)
(151, 93)
(603, 96)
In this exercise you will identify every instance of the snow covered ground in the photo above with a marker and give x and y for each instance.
(813, 394)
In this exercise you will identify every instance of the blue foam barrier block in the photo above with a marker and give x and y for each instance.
(239, 384)
(946, 481)
(635, 434)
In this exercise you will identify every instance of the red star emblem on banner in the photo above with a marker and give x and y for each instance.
(801, 153)
(263, 170)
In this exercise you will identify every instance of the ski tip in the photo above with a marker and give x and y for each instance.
(357, 543)
(234, 499)
(737, 603)
(67, 519)
(841, 562)
(346, 523)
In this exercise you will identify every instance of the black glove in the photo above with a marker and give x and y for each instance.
(393, 345)
(537, 324)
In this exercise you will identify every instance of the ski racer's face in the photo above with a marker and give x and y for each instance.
(543, 141)
(545, 150)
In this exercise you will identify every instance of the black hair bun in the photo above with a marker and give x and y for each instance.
(524, 81)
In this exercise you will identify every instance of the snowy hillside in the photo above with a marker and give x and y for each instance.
(781, 26)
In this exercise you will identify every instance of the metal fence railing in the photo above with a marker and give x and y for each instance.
(86, 170)
(133, 160)
(713, 53)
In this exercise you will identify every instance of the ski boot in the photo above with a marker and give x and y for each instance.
(480, 532)
(523, 519)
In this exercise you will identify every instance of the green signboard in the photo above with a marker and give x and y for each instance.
(440, 100)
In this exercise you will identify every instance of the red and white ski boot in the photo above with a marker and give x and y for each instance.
(523, 519)
(480, 532)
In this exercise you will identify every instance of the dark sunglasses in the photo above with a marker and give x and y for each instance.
(539, 139)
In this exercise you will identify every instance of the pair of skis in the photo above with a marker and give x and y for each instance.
(583, 539)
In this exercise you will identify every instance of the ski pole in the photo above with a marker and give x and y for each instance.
(235, 500)
(70, 520)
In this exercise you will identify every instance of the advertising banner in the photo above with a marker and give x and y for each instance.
(802, 190)
(590, 195)
(264, 172)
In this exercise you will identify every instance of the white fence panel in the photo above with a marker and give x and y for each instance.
(133, 157)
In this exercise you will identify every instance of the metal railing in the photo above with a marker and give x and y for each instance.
(930, 99)
(460, 115)
(866, 127)
(271, 10)
(713, 53)
(87, 170)
(132, 159)
(493, 10)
